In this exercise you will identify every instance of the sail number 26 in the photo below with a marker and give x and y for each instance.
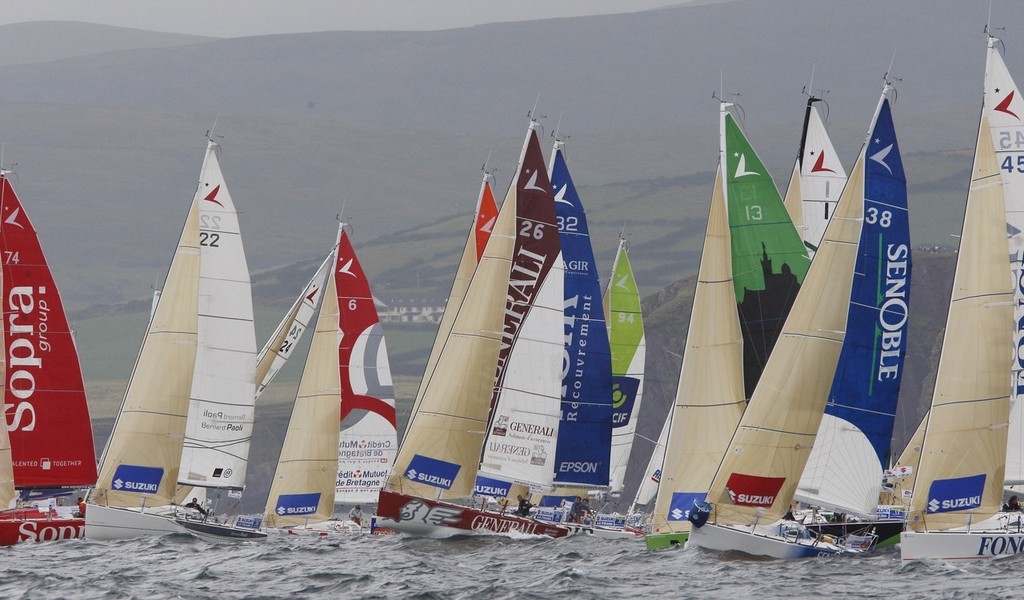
(531, 229)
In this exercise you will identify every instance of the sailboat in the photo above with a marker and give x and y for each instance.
(186, 418)
(583, 451)
(710, 398)
(817, 181)
(488, 417)
(341, 440)
(759, 472)
(748, 233)
(958, 487)
(46, 435)
(846, 466)
(629, 353)
(648, 488)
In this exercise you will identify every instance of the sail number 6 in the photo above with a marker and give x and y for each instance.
(531, 229)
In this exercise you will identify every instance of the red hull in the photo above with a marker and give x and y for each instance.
(17, 526)
(425, 513)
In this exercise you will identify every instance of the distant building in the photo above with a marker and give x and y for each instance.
(402, 310)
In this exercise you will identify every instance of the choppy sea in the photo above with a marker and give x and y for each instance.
(181, 566)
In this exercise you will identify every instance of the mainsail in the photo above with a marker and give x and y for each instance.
(1004, 108)
(220, 413)
(526, 403)
(629, 351)
(845, 468)
(144, 451)
(440, 454)
(709, 400)
(768, 261)
(282, 342)
(585, 428)
(963, 457)
(817, 181)
(368, 439)
(45, 408)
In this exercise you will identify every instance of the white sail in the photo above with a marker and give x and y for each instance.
(1004, 109)
(220, 414)
(368, 438)
(652, 474)
(818, 180)
(526, 406)
(282, 342)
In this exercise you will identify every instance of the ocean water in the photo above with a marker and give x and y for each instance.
(180, 566)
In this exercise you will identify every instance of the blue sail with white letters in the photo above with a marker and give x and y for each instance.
(583, 450)
(844, 470)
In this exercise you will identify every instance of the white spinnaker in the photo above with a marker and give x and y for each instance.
(220, 416)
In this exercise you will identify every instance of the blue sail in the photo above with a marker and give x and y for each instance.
(867, 381)
(583, 451)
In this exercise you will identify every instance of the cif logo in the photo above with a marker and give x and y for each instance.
(417, 510)
(619, 396)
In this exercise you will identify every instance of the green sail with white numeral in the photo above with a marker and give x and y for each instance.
(769, 260)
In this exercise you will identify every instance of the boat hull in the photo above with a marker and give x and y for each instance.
(420, 516)
(31, 526)
(219, 532)
(117, 523)
(658, 541)
(960, 545)
(888, 532)
(723, 538)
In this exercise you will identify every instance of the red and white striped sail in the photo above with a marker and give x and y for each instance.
(45, 408)
(368, 440)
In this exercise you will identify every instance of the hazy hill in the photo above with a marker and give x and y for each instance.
(396, 125)
(45, 41)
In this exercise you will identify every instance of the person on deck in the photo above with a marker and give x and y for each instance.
(574, 511)
(524, 506)
(81, 508)
(194, 505)
(356, 515)
(1012, 505)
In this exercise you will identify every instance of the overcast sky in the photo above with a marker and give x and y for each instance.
(236, 18)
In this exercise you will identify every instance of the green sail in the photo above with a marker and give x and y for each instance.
(625, 321)
(769, 260)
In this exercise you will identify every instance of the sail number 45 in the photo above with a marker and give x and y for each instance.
(1013, 164)
(1011, 139)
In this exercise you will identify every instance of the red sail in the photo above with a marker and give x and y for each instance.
(536, 248)
(357, 315)
(45, 409)
(486, 215)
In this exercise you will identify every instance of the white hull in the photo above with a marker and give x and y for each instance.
(723, 538)
(960, 545)
(603, 533)
(116, 523)
(322, 529)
